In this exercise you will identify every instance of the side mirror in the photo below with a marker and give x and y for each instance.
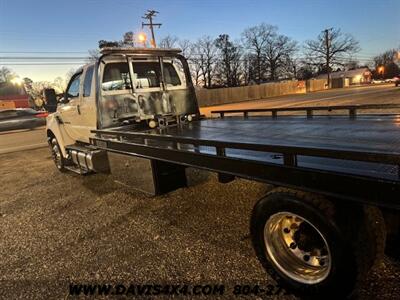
(50, 99)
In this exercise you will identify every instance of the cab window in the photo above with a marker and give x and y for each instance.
(148, 75)
(87, 83)
(171, 77)
(73, 89)
(116, 77)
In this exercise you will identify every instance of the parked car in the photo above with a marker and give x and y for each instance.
(396, 80)
(377, 81)
(21, 118)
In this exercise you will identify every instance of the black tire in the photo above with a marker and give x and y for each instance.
(355, 237)
(58, 158)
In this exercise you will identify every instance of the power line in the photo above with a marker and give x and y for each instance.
(44, 52)
(40, 64)
(41, 58)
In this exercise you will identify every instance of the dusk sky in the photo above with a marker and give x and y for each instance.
(76, 26)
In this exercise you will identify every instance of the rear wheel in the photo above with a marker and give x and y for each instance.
(313, 248)
(57, 155)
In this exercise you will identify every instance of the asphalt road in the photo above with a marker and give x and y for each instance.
(355, 95)
(17, 140)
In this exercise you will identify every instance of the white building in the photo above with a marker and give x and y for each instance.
(351, 77)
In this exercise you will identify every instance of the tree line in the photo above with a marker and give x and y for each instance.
(262, 54)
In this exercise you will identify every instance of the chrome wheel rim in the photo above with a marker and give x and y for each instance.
(56, 154)
(297, 248)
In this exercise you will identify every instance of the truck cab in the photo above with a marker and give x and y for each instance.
(126, 87)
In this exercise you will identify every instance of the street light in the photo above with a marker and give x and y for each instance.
(142, 38)
(381, 70)
(17, 81)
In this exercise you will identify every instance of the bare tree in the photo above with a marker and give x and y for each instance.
(168, 41)
(328, 49)
(385, 58)
(279, 50)
(385, 64)
(94, 54)
(228, 65)
(351, 64)
(6, 74)
(207, 57)
(59, 84)
(186, 46)
(255, 40)
(195, 64)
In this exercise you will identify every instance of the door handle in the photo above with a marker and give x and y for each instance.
(78, 109)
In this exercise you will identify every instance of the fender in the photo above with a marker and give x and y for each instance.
(54, 126)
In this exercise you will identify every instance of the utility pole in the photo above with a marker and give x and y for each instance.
(149, 16)
(328, 48)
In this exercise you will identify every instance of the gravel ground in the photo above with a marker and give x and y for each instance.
(59, 228)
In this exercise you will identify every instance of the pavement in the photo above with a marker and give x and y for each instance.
(18, 140)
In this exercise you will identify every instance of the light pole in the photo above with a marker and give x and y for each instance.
(381, 70)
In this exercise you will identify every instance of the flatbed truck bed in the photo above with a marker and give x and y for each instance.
(360, 154)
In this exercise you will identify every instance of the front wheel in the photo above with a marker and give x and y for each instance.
(311, 247)
(57, 155)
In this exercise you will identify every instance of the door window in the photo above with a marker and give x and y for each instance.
(73, 89)
(87, 83)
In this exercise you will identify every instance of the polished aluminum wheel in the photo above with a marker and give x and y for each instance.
(297, 248)
(56, 154)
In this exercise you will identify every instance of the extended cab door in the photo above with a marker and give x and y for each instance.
(87, 118)
(79, 113)
(69, 109)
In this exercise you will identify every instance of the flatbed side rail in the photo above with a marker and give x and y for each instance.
(309, 110)
(364, 189)
(289, 153)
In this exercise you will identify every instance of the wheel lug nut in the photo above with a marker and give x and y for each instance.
(293, 245)
(286, 230)
(293, 226)
(306, 257)
(321, 262)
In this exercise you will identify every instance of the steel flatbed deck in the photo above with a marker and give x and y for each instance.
(350, 157)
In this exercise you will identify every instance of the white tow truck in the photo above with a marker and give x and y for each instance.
(336, 178)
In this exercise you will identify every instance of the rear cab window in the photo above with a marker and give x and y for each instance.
(116, 77)
(147, 74)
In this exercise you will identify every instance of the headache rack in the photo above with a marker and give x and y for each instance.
(238, 158)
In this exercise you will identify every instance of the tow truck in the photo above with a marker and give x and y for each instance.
(335, 177)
